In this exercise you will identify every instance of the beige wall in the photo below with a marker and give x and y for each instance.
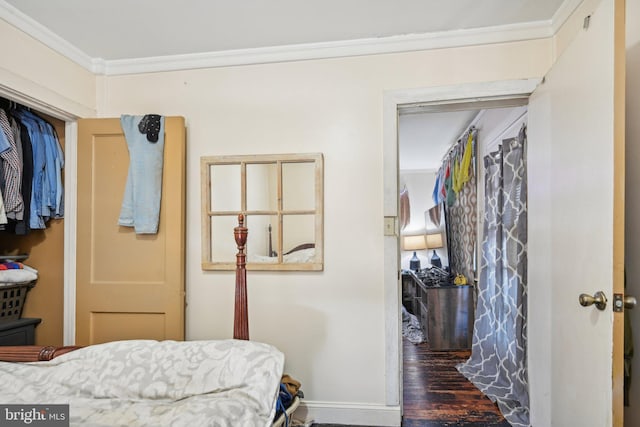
(330, 324)
(32, 69)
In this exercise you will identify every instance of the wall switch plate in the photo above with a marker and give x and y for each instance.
(390, 225)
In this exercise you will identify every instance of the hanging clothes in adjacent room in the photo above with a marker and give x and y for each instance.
(455, 187)
(405, 208)
(31, 164)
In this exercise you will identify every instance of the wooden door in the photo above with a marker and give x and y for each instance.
(128, 285)
(576, 222)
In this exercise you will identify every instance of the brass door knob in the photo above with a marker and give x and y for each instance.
(629, 301)
(599, 299)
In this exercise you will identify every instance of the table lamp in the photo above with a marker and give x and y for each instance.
(434, 241)
(414, 243)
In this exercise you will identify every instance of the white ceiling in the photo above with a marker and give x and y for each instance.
(424, 138)
(124, 29)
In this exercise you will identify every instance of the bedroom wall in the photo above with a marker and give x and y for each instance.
(33, 69)
(330, 324)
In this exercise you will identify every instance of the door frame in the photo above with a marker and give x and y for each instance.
(392, 101)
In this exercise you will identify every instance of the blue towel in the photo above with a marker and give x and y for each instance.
(143, 192)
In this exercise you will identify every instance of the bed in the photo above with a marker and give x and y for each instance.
(234, 382)
(300, 254)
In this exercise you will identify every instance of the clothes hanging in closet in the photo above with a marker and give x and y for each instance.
(31, 163)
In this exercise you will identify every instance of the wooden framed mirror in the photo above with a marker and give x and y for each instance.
(281, 197)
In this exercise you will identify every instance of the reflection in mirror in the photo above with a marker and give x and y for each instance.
(278, 193)
(262, 186)
(223, 250)
(298, 186)
(225, 187)
(263, 245)
(298, 238)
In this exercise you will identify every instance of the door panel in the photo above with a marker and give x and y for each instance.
(576, 223)
(128, 285)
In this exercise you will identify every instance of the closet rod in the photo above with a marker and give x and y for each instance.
(8, 104)
(471, 124)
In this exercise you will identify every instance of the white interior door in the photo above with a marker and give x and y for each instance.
(576, 223)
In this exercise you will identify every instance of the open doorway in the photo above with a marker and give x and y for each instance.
(439, 294)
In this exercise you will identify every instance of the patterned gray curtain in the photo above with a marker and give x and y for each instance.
(461, 217)
(462, 231)
(498, 362)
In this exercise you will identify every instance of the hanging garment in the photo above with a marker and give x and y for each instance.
(466, 163)
(12, 170)
(22, 226)
(448, 186)
(3, 214)
(438, 194)
(31, 163)
(435, 194)
(36, 221)
(435, 215)
(405, 208)
(143, 191)
(47, 191)
(18, 214)
(498, 362)
(455, 179)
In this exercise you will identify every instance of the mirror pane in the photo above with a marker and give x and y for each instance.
(298, 186)
(226, 189)
(223, 244)
(282, 192)
(298, 238)
(258, 243)
(262, 186)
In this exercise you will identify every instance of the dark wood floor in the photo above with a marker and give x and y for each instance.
(437, 395)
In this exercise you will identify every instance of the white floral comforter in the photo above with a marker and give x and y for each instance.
(154, 383)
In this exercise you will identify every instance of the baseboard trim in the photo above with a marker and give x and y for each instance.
(362, 414)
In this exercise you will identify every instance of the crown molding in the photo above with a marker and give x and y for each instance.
(563, 13)
(44, 35)
(298, 52)
(338, 49)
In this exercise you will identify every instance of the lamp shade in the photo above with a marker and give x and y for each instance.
(434, 241)
(414, 243)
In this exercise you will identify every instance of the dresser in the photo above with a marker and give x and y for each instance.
(18, 332)
(446, 313)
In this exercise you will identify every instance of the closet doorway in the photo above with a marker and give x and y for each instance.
(43, 247)
(438, 315)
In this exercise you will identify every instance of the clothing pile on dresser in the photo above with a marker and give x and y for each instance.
(31, 163)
